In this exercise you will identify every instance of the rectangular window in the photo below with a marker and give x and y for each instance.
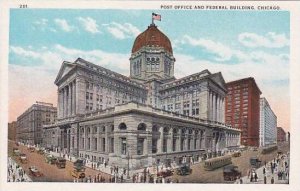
(154, 145)
(95, 144)
(181, 144)
(164, 144)
(103, 144)
(123, 146)
(112, 145)
(174, 144)
(189, 144)
(140, 146)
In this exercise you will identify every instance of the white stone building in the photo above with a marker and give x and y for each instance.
(150, 116)
(268, 124)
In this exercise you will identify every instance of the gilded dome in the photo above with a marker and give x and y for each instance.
(152, 37)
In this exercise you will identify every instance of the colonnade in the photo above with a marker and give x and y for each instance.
(216, 107)
(67, 100)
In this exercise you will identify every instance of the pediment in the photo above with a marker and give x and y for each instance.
(218, 78)
(65, 68)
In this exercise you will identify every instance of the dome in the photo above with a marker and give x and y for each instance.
(152, 37)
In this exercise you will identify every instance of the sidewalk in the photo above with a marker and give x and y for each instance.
(15, 174)
(269, 174)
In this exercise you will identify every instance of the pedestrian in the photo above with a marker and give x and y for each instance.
(122, 178)
(255, 177)
(241, 180)
(264, 170)
(265, 179)
(272, 180)
(14, 177)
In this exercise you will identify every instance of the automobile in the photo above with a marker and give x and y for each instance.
(255, 162)
(236, 154)
(35, 172)
(61, 162)
(78, 170)
(23, 158)
(231, 173)
(184, 170)
(50, 159)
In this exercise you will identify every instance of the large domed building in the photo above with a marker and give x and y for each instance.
(152, 56)
(151, 116)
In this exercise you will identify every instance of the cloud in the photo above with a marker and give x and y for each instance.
(122, 31)
(223, 52)
(270, 40)
(267, 70)
(63, 24)
(27, 81)
(40, 24)
(89, 24)
(23, 52)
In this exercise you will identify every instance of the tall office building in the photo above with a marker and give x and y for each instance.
(242, 109)
(268, 124)
(30, 123)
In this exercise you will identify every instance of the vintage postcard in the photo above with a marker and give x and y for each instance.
(98, 94)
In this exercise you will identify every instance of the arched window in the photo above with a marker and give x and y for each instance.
(141, 127)
(103, 129)
(122, 126)
(166, 129)
(88, 130)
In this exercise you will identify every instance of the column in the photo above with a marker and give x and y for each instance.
(213, 106)
(170, 140)
(178, 142)
(210, 106)
(62, 102)
(74, 97)
(66, 101)
(69, 100)
(159, 140)
(106, 140)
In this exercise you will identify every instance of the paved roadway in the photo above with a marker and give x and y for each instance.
(50, 172)
(199, 175)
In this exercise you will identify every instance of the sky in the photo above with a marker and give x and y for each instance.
(239, 44)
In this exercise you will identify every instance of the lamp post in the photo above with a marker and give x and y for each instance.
(128, 162)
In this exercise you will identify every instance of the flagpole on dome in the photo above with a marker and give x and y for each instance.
(152, 18)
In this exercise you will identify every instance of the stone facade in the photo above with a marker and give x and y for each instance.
(150, 117)
(30, 123)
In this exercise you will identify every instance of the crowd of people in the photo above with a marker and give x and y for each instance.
(15, 173)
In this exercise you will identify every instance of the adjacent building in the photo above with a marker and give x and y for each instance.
(242, 109)
(12, 128)
(268, 124)
(150, 116)
(281, 135)
(29, 124)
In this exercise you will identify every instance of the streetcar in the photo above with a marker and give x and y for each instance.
(269, 149)
(214, 163)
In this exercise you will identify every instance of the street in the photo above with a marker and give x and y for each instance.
(50, 172)
(53, 174)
